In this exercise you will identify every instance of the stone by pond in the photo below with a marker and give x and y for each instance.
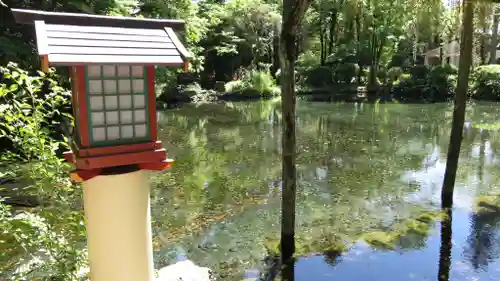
(368, 195)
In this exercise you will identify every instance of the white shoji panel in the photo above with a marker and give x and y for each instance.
(108, 71)
(127, 132)
(110, 86)
(126, 116)
(96, 103)
(113, 133)
(140, 116)
(112, 118)
(123, 70)
(97, 118)
(137, 71)
(139, 101)
(140, 130)
(111, 102)
(98, 134)
(94, 71)
(124, 86)
(126, 102)
(95, 87)
(138, 86)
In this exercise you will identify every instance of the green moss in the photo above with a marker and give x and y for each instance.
(272, 246)
(407, 230)
(487, 203)
(428, 217)
(417, 227)
(305, 246)
(380, 240)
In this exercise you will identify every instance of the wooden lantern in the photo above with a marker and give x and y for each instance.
(112, 62)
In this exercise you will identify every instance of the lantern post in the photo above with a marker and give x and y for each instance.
(112, 64)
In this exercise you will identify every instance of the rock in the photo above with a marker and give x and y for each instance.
(185, 271)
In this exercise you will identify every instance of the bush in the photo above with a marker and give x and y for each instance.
(486, 82)
(253, 83)
(50, 239)
(394, 73)
(43, 87)
(346, 72)
(436, 84)
(419, 71)
(445, 69)
(319, 77)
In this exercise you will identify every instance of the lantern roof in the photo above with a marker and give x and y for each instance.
(76, 39)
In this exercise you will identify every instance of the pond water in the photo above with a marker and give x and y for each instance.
(362, 168)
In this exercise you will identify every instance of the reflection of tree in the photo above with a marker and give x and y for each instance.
(445, 249)
(483, 243)
(332, 257)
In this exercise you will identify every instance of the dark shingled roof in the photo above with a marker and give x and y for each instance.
(72, 44)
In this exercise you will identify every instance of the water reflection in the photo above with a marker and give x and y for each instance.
(445, 248)
(483, 243)
(360, 169)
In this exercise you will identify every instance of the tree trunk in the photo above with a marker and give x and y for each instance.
(333, 25)
(322, 37)
(293, 13)
(457, 125)
(482, 46)
(358, 45)
(494, 37)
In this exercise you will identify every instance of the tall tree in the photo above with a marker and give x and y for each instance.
(494, 36)
(457, 126)
(293, 13)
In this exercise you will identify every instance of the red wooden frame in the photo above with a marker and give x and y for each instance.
(82, 107)
(89, 161)
(153, 126)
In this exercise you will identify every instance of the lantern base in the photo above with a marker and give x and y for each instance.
(84, 175)
(91, 162)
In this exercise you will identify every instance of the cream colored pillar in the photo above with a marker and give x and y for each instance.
(117, 212)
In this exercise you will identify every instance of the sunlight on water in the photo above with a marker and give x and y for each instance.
(359, 171)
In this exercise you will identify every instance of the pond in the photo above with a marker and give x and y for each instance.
(363, 170)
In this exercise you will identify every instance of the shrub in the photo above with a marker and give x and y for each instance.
(419, 71)
(486, 82)
(445, 69)
(346, 72)
(319, 77)
(435, 85)
(394, 73)
(44, 87)
(253, 83)
(51, 238)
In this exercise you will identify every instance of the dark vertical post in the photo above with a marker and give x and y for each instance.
(293, 13)
(457, 125)
(287, 56)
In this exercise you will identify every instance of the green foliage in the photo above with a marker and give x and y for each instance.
(254, 82)
(27, 93)
(486, 82)
(419, 71)
(319, 76)
(435, 84)
(49, 238)
(346, 72)
(394, 73)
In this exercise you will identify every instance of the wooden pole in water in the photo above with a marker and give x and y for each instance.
(457, 125)
(293, 13)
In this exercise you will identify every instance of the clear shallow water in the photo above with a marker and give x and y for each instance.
(360, 167)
